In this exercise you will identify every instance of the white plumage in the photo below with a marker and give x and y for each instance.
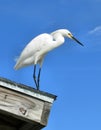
(34, 52)
(36, 49)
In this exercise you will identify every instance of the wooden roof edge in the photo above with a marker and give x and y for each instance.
(28, 90)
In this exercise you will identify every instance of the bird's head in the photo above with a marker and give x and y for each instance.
(67, 33)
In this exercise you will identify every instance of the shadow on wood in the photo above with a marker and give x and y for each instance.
(22, 107)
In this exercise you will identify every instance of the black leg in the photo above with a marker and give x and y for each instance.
(38, 81)
(34, 77)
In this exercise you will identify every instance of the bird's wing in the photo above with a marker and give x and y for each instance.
(35, 45)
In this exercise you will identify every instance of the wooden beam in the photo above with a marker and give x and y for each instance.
(22, 107)
(27, 90)
(45, 114)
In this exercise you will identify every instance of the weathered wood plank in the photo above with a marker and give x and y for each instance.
(27, 90)
(45, 114)
(7, 122)
(21, 105)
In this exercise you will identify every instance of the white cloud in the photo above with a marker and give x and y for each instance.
(96, 31)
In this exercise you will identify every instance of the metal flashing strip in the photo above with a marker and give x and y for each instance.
(22, 88)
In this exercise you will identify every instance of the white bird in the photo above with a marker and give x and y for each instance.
(37, 48)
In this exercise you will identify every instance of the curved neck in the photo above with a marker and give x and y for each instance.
(58, 39)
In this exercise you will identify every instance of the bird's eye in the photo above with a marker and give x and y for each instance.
(69, 34)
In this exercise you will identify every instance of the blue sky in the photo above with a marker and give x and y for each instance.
(71, 72)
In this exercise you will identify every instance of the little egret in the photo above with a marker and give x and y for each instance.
(35, 50)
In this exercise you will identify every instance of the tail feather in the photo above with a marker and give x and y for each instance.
(16, 67)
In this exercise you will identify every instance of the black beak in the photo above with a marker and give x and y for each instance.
(77, 41)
